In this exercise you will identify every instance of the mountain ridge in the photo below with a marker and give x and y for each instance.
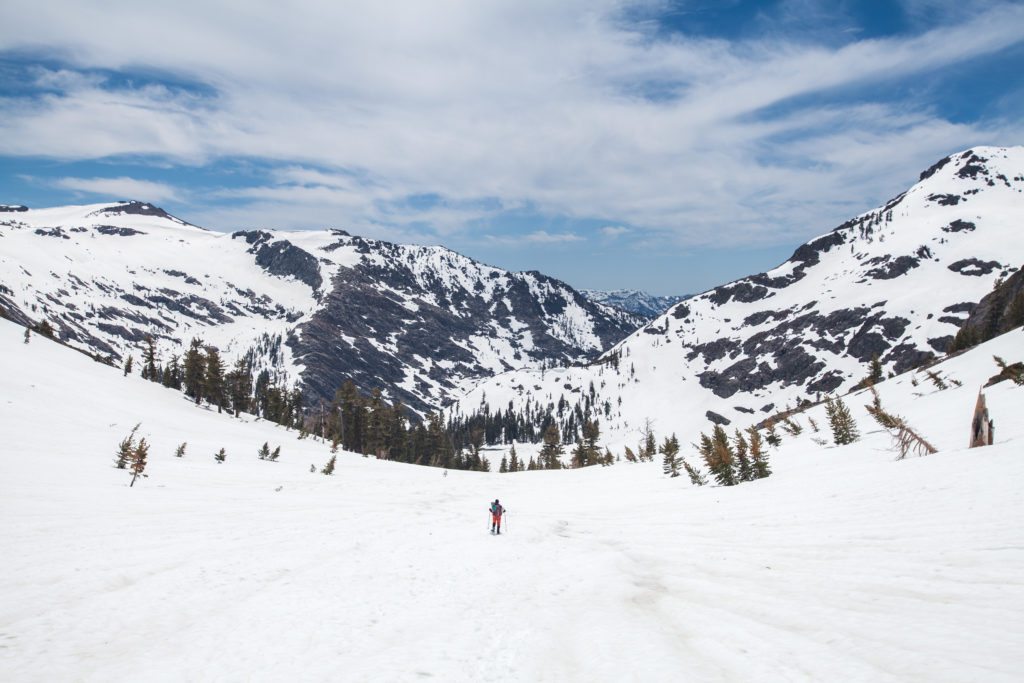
(417, 322)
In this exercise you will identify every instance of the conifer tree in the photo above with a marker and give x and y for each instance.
(126, 449)
(697, 478)
(758, 457)
(771, 435)
(630, 455)
(194, 371)
(28, 334)
(239, 382)
(744, 469)
(503, 467)
(264, 452)
(213, 382)
(128, 366)
(513, 460)
(670, 452)
(221, 455)
(275, 454)
(329, 467)
(791, 426)
(650, 445)
(139, 456)
(45, 328)
(551, 452)
(532, 466)
(149, 369)
(179, 452)
(844, 429)
(723, 458)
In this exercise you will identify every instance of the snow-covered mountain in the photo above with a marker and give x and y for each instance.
(419, 322)
(633, 301)
(895, 282)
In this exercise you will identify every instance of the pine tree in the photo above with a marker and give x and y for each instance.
(264, 452)
(138, 460)
(513, 460)
(744, 469)
(149, 369)
(670, 450)
(650, 445)
(213, 383)
(503, 467)
(551, 452)
(844, 429)
(221, 455)
(194, 371)
(630, 455)
(791, 426)
(771, 435)
(758, 457)
(532, 466)
(126, 449)
(723, 458)
(179, 452)
(329, 467)
(696, 477)
(128, 366)
(275, 455)
(239, 382)
(28, 334)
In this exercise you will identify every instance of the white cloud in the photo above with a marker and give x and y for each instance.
(526, 103)
(536, 237)
(120, 188)
(614, 231)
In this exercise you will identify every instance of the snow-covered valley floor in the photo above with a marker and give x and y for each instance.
(844, 565)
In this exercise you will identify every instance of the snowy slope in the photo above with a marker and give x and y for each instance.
(893, 282)
(418, 322)
(843, 565)
(633, 301)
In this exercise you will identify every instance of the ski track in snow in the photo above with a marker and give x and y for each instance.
(844, 565)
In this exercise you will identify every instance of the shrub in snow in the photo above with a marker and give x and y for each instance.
(139, 456)
(264, 452)
(220, 456)
(844, 428)
(329, 467)
(179, 452)
(126, 449)
(276, 454)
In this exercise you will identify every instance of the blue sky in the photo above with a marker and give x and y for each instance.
(667, 146)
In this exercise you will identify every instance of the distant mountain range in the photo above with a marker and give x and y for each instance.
(633, 301)
(420, 323)
(894, 283)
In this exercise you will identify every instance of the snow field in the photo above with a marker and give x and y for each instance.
(844, 565)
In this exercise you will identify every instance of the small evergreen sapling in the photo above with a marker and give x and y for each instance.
(264, 452)
(744, 470)
(28, 334)
(670, 450)
(329, 467)
(791, 426)
(771, 435)
(221, 455)
(139, 456)
(697, 478)
(126, 449)
(179, 452)
(128, 366)
(758, 457)
(275, 454)
(844, 428)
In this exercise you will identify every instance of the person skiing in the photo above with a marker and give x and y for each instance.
(496, 512)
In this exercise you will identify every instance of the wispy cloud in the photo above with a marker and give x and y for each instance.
(120, 188)
(363, 105)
